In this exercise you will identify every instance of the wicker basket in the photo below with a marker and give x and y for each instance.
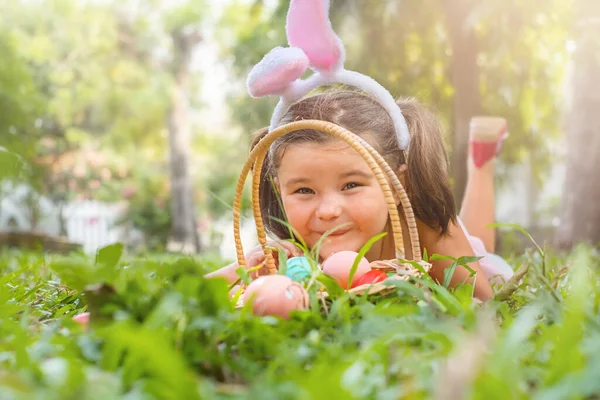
(383, 173)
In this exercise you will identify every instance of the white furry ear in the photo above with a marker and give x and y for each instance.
(276, 71)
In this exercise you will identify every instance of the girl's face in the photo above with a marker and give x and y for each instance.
(325, 186)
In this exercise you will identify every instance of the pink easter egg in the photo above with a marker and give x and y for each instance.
(339, 265)
(276, 295)
(83, 319)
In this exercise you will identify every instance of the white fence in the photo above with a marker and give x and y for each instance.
(89, 223)
(93, 224)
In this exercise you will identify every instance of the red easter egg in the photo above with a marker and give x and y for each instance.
(373, 276)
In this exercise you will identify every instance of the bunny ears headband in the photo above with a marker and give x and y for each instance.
(314, 44)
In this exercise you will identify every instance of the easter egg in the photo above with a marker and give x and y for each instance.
(83, 319)
(339, 264)
(373, 276)
(276, 295)
(298, 268)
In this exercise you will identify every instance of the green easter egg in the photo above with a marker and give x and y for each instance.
(298, 268)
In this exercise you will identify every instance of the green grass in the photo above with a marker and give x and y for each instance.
(159, 330)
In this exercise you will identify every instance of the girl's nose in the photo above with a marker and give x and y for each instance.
(329, 208)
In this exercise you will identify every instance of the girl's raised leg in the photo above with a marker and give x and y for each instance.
(478, 207)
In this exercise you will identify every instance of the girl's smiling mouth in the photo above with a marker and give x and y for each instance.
(338, 232)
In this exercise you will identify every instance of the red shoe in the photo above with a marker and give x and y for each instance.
(486, 136)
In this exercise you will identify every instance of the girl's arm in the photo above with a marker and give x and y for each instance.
(255, 257)
(227, 272)
(454, 244)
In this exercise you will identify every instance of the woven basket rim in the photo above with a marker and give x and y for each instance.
(393, 193)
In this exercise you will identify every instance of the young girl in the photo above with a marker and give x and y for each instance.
(324, 184)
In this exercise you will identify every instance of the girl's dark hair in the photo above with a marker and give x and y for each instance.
(427, 183)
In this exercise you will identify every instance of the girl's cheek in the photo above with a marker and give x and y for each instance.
(288, 204)
(297, 213)
(371, 211)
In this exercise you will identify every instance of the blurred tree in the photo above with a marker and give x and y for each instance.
(580, 210)
(87, 90)
(464, 75)
(181, 23)
(113, 73)
(20, 102)
(165, 36)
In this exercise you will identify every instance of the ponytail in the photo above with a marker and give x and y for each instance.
(428, 181)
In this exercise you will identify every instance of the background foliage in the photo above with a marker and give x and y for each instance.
(82, 78)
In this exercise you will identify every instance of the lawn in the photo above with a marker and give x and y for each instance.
(159, 330)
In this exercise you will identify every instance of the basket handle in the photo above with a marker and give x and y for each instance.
(373, 159)
(409, 214)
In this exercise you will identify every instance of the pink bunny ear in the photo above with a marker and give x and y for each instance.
(308, 27)
(276, 71)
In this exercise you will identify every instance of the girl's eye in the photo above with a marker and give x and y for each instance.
(351, 185)
(304, 191)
